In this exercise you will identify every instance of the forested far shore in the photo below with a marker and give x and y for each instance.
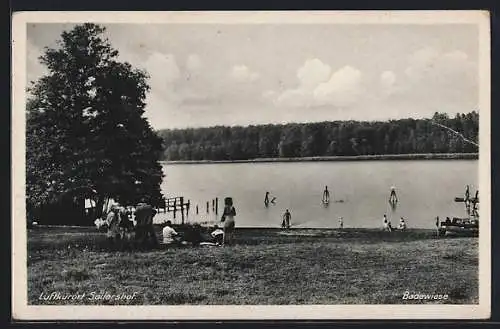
(325, 140)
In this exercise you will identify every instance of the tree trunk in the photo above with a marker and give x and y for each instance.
(101, 199)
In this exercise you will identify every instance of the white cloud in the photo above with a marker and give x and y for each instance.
(242, 73)
(387, 79)
(163, 68)
(269, 94)
(318, 86)
(312, 73)
(193, 63)
(434, 80)
(387, 83)
(429, 64)
(342, 89)
(295, 98)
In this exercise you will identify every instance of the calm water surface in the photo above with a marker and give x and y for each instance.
(425, 189)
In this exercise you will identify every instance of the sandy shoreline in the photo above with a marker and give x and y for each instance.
(424, 156)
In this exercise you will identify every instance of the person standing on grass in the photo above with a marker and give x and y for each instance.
(113, 222)
(126, 224)
(266, 199)
(228, 220)
(341, 223)
(144, 214)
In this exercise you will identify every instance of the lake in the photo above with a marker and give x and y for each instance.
(425, 188)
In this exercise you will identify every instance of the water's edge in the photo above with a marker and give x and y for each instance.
(426, 156)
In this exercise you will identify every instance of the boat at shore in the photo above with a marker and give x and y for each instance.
(459, 227)
(467, 226)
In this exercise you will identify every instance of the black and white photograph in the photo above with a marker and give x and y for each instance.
(251, 165)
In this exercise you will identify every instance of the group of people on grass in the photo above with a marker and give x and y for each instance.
(130, 224)
(134, 225)
(217, 236)
(387, 226)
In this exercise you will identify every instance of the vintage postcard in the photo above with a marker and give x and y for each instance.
(251, 165)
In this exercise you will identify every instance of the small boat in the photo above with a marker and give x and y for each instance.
(460, 227)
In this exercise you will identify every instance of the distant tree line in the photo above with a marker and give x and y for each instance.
(332, 138)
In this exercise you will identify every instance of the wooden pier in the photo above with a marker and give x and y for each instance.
(178, 204)
(175, 205)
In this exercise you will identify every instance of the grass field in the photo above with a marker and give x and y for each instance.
(264, 266)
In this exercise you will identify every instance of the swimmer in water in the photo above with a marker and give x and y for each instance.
(393, 197)
(286, 219)
(326, 195)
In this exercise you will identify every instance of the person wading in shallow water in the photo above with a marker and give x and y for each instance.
(266, 199)
(228, 220)
(286, 220)
(393, 198)
(437, 225)
(326, 195)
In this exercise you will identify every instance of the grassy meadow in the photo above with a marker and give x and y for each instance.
(263, 266)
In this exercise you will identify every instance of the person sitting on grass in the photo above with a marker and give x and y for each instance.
(217, 235)
(387, 224)
(170, 236)
(402, 224)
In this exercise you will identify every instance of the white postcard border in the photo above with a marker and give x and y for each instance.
(21, 310)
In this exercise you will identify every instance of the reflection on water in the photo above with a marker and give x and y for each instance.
(359, 191)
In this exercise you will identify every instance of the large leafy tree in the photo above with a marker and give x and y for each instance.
(85, 124)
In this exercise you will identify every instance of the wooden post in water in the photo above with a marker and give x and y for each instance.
(196, 209)
(175, 206)
(182, 209)
(207, 207)
(213, 204)
(216, 205)
(188, 205)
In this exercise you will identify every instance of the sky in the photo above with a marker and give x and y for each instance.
(243, 74)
